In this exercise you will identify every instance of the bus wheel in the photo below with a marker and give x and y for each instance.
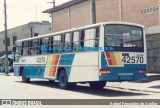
(63, 80)
(97, 84)
(24, 79)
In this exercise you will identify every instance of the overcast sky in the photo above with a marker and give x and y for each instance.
(23, 11)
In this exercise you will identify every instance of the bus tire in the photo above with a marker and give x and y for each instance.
(97, 84)
(24, 79)
(63, 80)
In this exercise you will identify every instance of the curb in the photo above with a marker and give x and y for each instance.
(149, 78)
(153, 78)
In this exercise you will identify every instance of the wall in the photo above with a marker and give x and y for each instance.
(132, 12)
(71, 17)
(106, 10)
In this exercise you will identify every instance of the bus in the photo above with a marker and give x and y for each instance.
(93, 54)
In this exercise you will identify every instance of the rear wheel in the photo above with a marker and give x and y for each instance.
(24, 78)
(97, 84)
(63, 81)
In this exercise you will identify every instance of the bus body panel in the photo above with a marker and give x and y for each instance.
(85, 67)
(80, 67)
(122, 66)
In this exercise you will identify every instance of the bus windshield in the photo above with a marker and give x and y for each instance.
(124, 37)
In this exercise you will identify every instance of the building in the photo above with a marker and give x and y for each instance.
(31, 29)
(77, 13)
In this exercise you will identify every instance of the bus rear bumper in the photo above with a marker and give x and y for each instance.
(122, 77)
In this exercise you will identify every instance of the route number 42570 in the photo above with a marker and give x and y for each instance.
(133, 59)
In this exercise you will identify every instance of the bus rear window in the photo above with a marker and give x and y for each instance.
(124, 37)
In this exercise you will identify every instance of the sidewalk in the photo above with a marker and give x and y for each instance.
(152, 84)
(153, 77)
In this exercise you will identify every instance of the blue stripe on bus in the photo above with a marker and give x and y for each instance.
(115, 72)
(103, 61)
(31, 71)
(104, 64)
(67, 59)
(37, 70)
(135, 65)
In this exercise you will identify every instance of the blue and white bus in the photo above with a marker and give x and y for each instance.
(94, 54)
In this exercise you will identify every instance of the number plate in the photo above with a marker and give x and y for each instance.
(133, 59)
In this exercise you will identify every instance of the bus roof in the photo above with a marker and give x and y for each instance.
(79, 28)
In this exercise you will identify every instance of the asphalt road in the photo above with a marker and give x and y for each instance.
(13, 88)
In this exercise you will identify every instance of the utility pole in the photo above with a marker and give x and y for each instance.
(93, 11)
(54, 3)
(120, 10)
(159, 12)
(6, 43)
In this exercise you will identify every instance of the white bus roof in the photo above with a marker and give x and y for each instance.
(79, 28)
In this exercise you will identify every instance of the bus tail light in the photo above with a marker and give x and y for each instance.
(104, 71)
(143, 70)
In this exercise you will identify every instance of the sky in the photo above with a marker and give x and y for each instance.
(20, 12)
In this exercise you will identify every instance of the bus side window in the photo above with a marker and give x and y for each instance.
(30, 47)
(25, 48)
(19, 48)
(44, 45)
(97, 37)
(76, 40)
(67, 41)
(48, 44)
(51, 45)
(90, 37)
(57, 43)
(35, 47)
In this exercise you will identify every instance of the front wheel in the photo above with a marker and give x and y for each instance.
(24, 79)
(97, 84)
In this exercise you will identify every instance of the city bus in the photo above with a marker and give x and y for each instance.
(93, 54)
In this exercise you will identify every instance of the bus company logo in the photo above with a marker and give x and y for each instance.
(6, 102)
(80, 48)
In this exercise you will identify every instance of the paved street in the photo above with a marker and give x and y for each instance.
(13, 88)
